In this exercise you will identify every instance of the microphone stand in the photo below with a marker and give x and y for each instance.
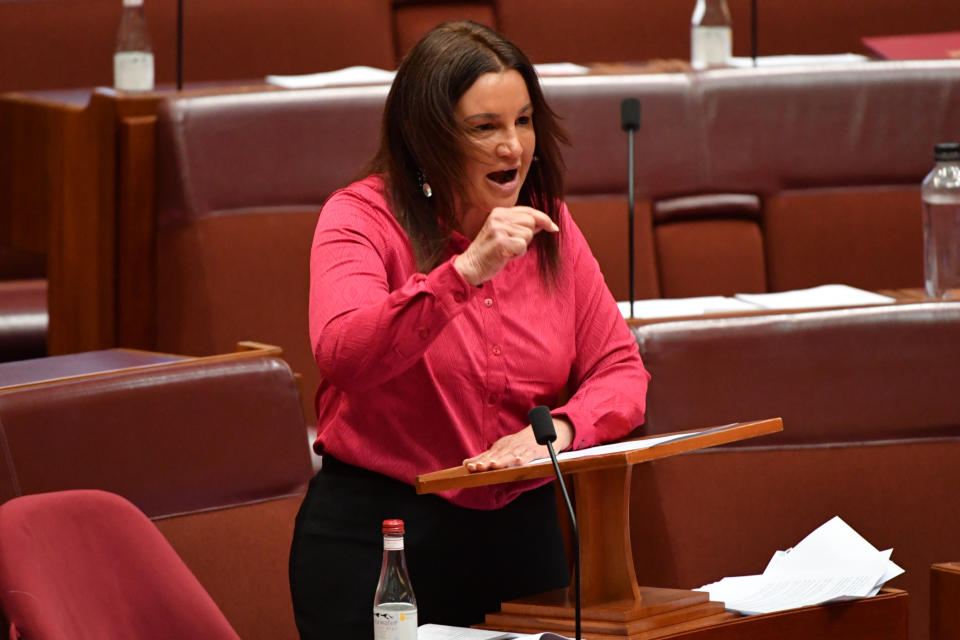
(179, 45)
(630, 215)
(542, 423)
(630, 122)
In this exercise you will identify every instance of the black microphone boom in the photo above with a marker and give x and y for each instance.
(179, 45)
(544, 432)
(630, 122)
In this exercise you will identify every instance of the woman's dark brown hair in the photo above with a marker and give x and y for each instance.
(421, 137)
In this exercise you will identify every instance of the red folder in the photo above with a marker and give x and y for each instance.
(921, 46)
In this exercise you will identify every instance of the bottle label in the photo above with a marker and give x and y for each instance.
(392, 544)
(395, 621)
(133, 71)
(710, 47)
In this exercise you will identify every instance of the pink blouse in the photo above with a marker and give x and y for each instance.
(421, 371)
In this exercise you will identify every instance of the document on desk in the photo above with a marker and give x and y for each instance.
(680, 307)
(832, 563)
(355, 75)
(827, 295)
(447, 632)
(618, 447)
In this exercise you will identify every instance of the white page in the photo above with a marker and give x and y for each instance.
(828, 295)
(789, 60)
(347, 76)
(447, 632)
(833, 562)
(678, 307)
(617, 447)
(767, 594)
(831, 545)
(560, 69)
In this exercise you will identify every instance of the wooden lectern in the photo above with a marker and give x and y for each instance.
(614, 606)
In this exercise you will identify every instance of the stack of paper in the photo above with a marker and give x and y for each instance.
(360, 74)
(347, 76)
(822, 297)
(446, 632)
(832, 563)
(828, 295)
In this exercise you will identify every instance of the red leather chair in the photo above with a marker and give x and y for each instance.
(89, 564)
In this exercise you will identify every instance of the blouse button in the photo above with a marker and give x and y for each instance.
(458, 296)
(492, 399)
(496, 349)
(488, 302)
(424, 334)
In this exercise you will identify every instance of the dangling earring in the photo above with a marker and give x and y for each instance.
(424, 185)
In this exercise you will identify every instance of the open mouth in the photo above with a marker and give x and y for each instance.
(503, 177)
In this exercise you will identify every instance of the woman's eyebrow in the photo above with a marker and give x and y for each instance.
(485, 116)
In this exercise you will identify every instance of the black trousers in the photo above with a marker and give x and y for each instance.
(463, 562)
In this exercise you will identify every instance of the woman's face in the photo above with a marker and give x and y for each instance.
(498, 118)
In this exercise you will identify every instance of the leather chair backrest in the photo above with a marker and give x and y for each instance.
(839, 376)
(89, 564)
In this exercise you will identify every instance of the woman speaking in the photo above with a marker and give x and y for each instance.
(450, 293)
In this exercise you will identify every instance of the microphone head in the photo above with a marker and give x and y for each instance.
(630, 114)
(542, 423)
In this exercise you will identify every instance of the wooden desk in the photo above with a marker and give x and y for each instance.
(900, 296)
(41, 371)
(77, 184)
(614, 605)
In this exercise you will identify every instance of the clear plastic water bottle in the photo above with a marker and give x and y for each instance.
(711, 34)
(941, 223)
(133, 57)
(394, 606)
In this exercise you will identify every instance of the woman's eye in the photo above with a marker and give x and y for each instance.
(486, 126)
(524, 121)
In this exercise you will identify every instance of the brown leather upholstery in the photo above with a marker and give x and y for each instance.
(23, 319)
(944, 597)
(730, 261)
(71, 46)
(602, 31)
(412, 19)
(241, 179)
(213, 450)
(21, 264)
(734, 191)
(871, 433)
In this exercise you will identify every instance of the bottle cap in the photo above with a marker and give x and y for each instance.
(393, 527)
(946, 151)
(133, 3)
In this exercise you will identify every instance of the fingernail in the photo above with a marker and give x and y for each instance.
(555, 227)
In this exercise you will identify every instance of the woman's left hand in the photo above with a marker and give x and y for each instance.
(519, 448)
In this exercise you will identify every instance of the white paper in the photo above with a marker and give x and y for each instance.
(679, 307)
(347, 76)
(766, 594)
(446, 632)
(834, 562)
(560, 69)
(828, 295)
(616, 447)
(791, 60)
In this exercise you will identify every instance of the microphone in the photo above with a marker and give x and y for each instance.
(630, 114)
(630, 122)
(543, 431)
